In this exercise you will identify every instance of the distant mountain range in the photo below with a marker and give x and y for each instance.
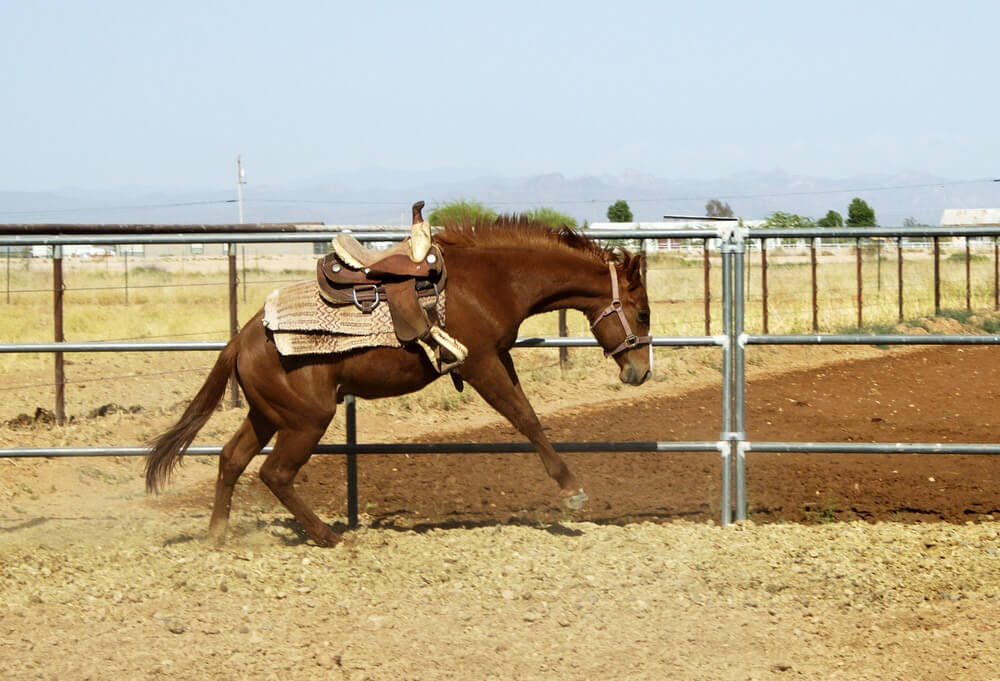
(384, 197)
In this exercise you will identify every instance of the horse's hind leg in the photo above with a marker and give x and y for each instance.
(292, 449)
(249, 439)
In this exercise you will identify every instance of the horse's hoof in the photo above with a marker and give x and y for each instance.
(328, 541)
(575, 502)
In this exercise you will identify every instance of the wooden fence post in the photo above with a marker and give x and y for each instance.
(857, 251)
(563, 333)
(708, 287)
(763, 279)
(899, 274)
(968, 276)
(815, 285)
(59, 337)
(937, 276)
(244, 277)
(234, 323)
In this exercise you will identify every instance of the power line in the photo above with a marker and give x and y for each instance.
(359, 202)
(181, 204)
(814, 192)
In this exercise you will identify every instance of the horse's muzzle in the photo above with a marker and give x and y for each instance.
(633, 376)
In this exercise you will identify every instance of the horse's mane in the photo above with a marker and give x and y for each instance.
(521, 231)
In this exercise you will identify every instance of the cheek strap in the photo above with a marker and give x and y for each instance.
(616, 307)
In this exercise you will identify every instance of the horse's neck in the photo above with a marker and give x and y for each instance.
(557, 281)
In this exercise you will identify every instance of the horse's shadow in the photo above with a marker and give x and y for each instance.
(554, 528)
(287, 531)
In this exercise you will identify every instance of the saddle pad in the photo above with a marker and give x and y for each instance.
(302, 323)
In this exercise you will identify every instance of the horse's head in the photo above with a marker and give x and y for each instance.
(622, 326)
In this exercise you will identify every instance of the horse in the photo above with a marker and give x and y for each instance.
(500, 272)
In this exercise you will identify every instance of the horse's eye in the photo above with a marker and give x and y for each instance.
(642, 317)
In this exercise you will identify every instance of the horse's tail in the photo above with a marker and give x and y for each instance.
(168, 449)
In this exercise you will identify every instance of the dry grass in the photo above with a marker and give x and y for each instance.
(171, 299)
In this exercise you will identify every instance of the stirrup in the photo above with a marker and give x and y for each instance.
(443, 340)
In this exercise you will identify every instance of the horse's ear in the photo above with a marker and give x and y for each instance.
(635, 270)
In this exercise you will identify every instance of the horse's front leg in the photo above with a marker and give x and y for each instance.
(495, 378)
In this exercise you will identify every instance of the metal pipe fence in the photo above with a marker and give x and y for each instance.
(129, 234)
(734, 442)
(742, 440)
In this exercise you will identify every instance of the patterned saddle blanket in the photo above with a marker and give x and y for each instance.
(302, 323)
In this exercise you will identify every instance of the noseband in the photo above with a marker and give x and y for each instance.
(631, 340)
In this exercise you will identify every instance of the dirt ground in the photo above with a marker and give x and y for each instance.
(466, 568)
(931, 395)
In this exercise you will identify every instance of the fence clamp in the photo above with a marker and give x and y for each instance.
(742, 447)
(732, 237)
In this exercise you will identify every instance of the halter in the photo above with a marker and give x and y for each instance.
(631, 340)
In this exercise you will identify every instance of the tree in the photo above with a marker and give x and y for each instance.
(550, 217)
(619, 212)
(860, 214)
(717, 209)
(780, 219)
(831, 219)
(461, 211)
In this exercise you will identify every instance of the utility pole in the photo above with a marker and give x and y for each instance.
(234, 328)
(241, 179)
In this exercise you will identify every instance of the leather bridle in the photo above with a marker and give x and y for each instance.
(616, 307)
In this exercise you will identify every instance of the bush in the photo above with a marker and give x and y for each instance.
(462, 211)
(551, 217)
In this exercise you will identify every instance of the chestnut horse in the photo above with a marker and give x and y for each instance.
(499, 273)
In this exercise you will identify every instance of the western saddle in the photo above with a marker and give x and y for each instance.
(409, 277)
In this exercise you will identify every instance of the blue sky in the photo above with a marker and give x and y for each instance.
(165, 94)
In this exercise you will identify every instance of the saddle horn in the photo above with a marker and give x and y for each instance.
(417, 215)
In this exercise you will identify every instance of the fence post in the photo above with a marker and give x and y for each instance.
(996, 274)
(126, 274)
(234, 323)
(739, 384)
(815, 286)
(968, 276)
(763, 279)
(725, 444)
(937, 276)
(57, 312)
(899, 274)
(563, 333)
(708, 287)
(8, 274)
(351, 427)
(857, 251)
(244, 277)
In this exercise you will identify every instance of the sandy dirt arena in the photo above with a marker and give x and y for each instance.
(465, 567)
